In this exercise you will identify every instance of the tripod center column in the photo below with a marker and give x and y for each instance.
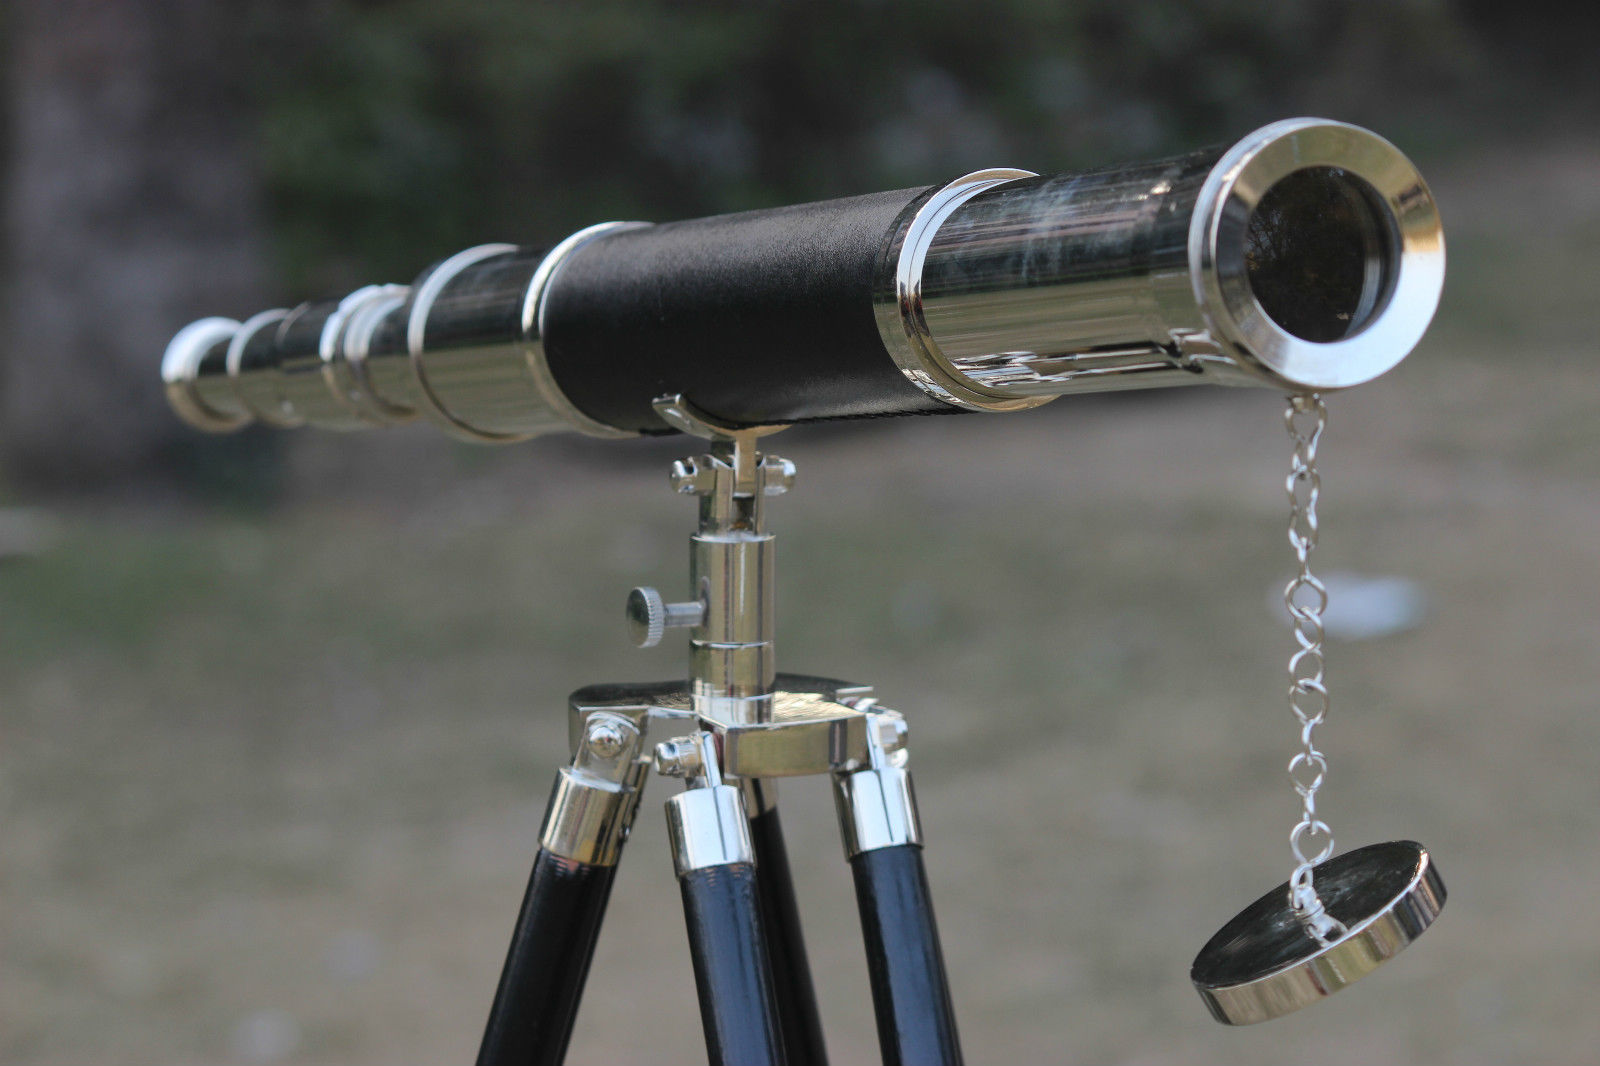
(732, 659)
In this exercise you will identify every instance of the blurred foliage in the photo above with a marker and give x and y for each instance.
(395, 132)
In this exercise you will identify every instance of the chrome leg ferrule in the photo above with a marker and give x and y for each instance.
(708, 827)
(593, 802)
(877, 809)
(706, 822)
(877, 805)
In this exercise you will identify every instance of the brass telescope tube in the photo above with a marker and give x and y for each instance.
(1306, 256)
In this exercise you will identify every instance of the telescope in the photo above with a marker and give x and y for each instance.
(1306, 257)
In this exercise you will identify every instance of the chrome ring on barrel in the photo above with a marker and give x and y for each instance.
(346, 372)
(273, 416)
(180, 367)
(533, 309)
(416, 329)
(897, 303)
(337, 375)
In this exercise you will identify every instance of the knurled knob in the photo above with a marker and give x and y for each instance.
(647, 617)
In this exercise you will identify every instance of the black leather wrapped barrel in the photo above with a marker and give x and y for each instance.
(764, 316)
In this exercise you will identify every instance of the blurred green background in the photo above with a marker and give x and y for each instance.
(278, 713)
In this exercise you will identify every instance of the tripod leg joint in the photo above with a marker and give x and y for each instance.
(877, 805)
(594, 800)
(707, 821)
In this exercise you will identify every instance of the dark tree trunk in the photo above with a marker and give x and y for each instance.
(131, 207)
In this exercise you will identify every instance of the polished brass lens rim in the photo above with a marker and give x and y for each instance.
(1219, 272)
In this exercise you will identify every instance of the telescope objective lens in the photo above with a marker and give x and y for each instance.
(1320, 254)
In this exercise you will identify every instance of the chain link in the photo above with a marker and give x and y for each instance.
(1305, 417)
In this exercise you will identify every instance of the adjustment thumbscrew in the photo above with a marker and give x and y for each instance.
(647, 617)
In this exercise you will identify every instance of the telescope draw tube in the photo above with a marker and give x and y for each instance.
(1306, 257)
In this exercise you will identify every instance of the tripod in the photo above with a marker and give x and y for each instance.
(738, 724)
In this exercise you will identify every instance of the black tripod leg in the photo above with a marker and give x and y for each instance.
(799, 1023)
(715, 861)
(591, 809)
(730, 965)
(542, 982)
(910, 993)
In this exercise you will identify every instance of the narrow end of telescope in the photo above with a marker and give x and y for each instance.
(200, 349)
(1317, 254)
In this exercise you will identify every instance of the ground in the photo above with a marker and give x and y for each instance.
(270, 783)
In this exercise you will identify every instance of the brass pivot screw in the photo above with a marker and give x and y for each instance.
(777, 475)
(692, 477)
(604, 738)
(680, 757)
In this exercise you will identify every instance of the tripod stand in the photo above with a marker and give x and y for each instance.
(739, 725)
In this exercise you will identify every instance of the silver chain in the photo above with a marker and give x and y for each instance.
(1307, 597)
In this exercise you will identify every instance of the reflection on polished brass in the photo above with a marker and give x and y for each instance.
(593, 801)
(1263, 964)
(464, 348)
(186, 383)
(815, 730)
(1015, 289)
(707, 822)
